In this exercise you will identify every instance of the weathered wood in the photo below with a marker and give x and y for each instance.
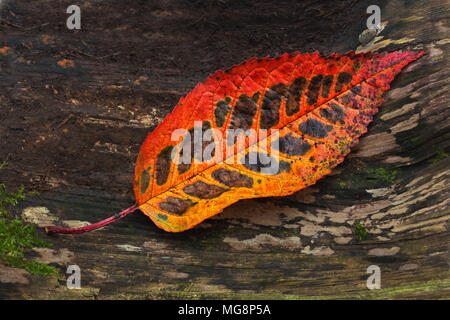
(73, 134)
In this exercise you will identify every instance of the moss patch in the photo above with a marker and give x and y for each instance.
(359, 231)
(440, 155)
(16, 236)
(387, 176)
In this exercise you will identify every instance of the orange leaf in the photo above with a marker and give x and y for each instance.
(306, 112)
(315, 109)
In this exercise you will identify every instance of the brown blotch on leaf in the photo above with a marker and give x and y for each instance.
(196, 153)
(294, 94)
(200, 153)
(326, 86)
(145, 180)
(284, 166)
(243, 113)
(186, 144)
(183, 167)
(221, 111)
(351, 100)
(176, 205)
(265, 164)
(232, 178)
(343, 79)
(163, 165)
(270, 110)
(314, 128)
(202, 190)
(292, 146)
(314, 88)
(334, 113)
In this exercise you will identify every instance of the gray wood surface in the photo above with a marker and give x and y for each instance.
(73, 134)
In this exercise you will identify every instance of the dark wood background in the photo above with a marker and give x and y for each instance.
(73, 134)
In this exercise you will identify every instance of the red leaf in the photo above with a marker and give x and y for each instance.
(318, 107)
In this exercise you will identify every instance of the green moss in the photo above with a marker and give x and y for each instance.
(385, 175)
(440, 155)
(342, 184)
(16, 236)
(359, 231)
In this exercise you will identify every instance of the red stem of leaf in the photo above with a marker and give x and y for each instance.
(94, 226)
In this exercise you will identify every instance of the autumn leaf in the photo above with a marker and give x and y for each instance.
(312, 109)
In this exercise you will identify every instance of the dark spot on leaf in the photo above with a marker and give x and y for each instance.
(294, 94)
(313, 89)
(270, 110)
(343, 79)
(145, 180)
(313, 128)
(163, 165)
(183, 167)
(232, 178)
(221, 112)
(202, 190)
(326, 85)
(243, 113)
(176, 205)
(197, 153)
(284, 166)
(351, 100)
(263, 163)
(292, 146)
(334, 113)
(162, 217)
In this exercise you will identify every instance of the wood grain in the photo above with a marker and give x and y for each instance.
(73, 134)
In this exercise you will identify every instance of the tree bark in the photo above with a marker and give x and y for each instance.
(77, 104)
